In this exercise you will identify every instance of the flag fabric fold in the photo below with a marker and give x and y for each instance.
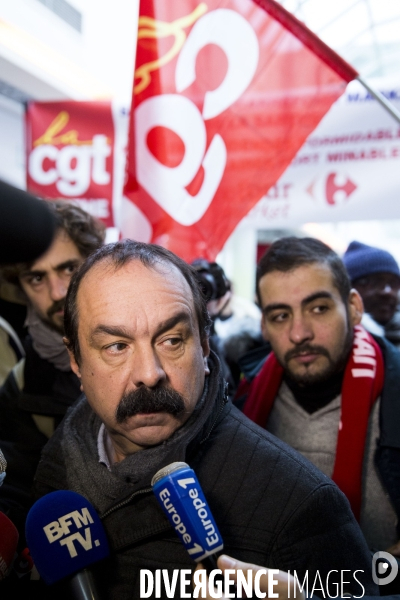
(225, 93)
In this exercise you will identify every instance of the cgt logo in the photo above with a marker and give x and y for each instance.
(72, 167)
(60, 530)
(384, 568)
(167, 185)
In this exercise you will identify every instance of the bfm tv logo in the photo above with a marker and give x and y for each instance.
(57, 530)
(73, 166)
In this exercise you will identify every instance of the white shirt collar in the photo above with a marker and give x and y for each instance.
(105, 448)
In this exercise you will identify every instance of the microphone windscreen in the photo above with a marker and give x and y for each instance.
(179, 493)
(64, 535)
(8, 544)
(3, 466)
(27, 225)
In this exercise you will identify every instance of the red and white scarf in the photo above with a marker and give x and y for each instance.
(362, 385)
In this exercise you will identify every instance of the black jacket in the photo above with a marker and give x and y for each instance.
(272, 507)
(33, 401)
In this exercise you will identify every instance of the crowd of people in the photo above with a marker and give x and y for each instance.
(121, 359)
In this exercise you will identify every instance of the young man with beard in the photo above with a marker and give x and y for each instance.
(40, 388)
(26, 231)
(136, 327)
(329, 388)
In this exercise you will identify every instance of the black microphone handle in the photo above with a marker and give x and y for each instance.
(27, 225)
(83, 587)
(210, 563)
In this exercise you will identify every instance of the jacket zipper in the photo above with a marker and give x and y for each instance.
(126, 501)
(217, 416)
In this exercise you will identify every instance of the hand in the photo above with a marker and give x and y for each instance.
(394, 550)
(286, 586)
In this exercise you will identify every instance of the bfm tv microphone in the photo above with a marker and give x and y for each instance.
(181, 497)
(65, 536)
(8, 544)
(3, 467)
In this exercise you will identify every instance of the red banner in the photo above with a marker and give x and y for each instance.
(224, 96)
(70, 154)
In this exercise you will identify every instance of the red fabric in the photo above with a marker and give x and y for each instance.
(242, 388)
(309, 39)
(263, 391)
(362, 385)
(244, 142)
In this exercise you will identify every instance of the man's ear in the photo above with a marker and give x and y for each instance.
(206, 353)
(74, 364)
(356, 307)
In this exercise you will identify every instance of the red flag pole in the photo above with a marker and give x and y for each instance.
(323, 51)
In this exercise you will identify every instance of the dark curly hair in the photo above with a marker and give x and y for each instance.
(289, 253)
(119, 254)
(85, 231)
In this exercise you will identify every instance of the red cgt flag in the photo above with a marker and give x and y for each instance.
(225, 93)
(70, 154)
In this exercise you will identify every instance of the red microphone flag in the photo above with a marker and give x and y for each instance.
(225, 94)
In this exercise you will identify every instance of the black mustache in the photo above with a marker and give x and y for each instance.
(148, 400)
(298, 350)
(55, 307)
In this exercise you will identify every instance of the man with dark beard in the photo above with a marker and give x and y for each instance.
(40, 388)
(329, 388)
(136, 327)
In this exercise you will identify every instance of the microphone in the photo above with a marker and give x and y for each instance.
(27, 225)
(178, 491)
(65, 536)
(3, 467)
(23, 565)
(8, 544)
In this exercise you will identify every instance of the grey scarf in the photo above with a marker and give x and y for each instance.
(102, 487)
(47, 342)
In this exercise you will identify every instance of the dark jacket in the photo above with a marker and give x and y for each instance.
(272, 507)
(33, 401)
(388, 447)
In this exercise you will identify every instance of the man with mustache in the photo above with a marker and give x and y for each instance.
(328, 388)
(40, 388)
(136, 327)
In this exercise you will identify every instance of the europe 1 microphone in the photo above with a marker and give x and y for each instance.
(65, 537)
(179, 493)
